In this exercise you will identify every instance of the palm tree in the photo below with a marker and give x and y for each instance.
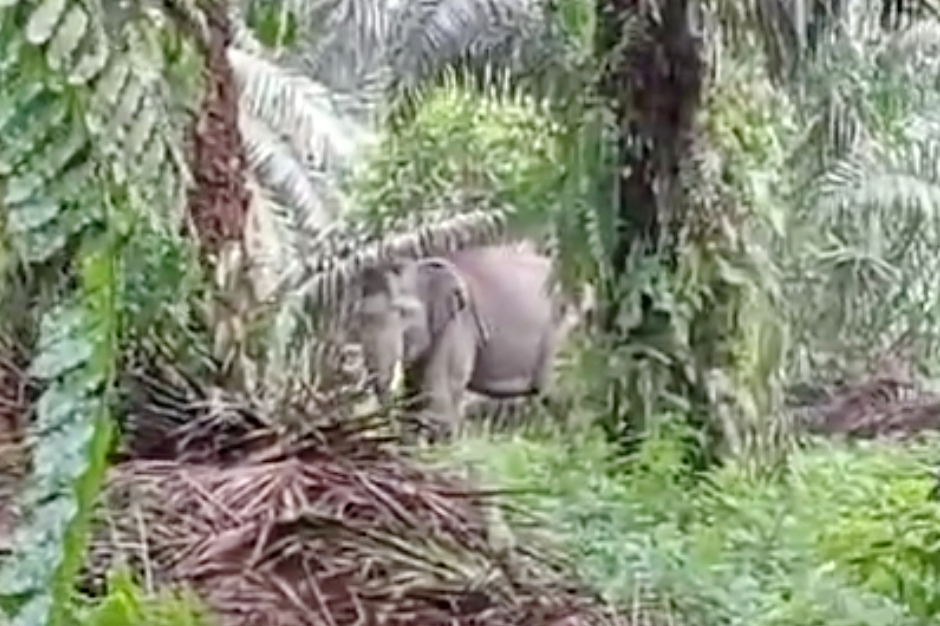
(311, 103)
(653, 77)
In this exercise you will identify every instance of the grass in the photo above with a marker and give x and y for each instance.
(844, 536)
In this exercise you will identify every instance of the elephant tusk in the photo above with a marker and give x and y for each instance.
(398, 379)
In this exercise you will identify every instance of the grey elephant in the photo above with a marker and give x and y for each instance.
(484, 319)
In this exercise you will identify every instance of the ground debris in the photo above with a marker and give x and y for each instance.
(335, 525)
(878, 406)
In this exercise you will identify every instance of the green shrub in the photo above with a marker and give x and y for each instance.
(843, 536)
(127, 605)
(498, 147)
(880, 525)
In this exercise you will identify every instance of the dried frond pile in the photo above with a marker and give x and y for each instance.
(332, 526)
(878, 406)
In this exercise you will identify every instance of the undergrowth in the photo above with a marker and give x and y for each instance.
(127, 605)
(842, 536)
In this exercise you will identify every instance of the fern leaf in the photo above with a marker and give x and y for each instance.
(143, 136)
(69, 445)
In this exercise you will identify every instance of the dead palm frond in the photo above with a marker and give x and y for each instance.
(322, 523)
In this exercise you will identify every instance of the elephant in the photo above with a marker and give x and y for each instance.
(484, 319)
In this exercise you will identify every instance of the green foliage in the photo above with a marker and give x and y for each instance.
(316, 76)
(75, 359)
(91, 159)
(752, 126)
(842, 536)
(809, 234)
(698, 329)
(858, 247)
(882, 529)
(458, 146)
(126, 605)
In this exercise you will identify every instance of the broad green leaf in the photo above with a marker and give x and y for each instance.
(60, 323)
(112, 81)
(41, 245)
(142, 127)
(133, 99)
(60, 358)
(21, 189)
(35, 613)
(18, 98)
(62, 153)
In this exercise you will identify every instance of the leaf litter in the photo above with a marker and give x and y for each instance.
(334, 524)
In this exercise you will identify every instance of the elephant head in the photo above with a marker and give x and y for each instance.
(404, 308)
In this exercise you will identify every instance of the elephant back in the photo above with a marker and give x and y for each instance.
(509, 285)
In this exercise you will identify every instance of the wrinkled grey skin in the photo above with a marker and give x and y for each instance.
(482, 319)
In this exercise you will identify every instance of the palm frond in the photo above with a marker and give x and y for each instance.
(308, 110)
(324, 281)
(906, 177)
(792, 33)
(298, 140)
(280, 169)
(920, 38)
(873, 276)
(308, 114)
(346, 44)
(433, 34)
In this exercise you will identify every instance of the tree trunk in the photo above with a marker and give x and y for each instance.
(654, 87)
(218, 202)
(652, 79)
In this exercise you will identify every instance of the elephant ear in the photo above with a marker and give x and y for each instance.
(444, 292)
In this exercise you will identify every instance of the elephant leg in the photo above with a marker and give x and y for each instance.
(447, 373)
(412, 401)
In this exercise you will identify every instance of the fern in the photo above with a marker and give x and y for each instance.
(70, 439)
(92, 152)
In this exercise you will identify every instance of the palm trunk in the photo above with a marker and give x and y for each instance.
(654, 86)
(220, 198)
(218, 203)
